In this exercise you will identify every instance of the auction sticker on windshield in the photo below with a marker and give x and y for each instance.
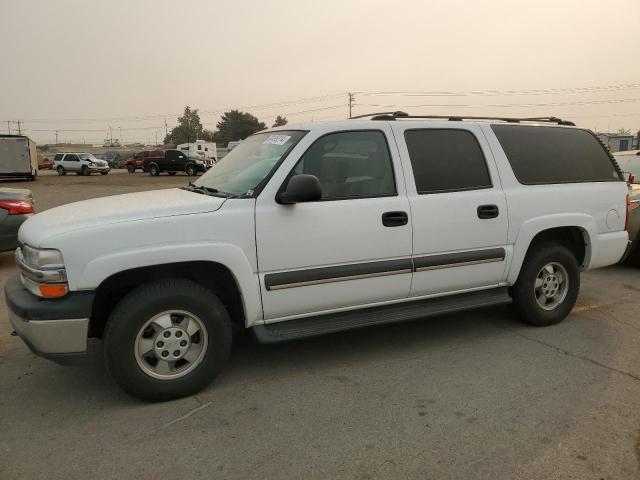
(277, 139)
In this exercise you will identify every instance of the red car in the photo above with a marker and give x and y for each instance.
(45, 164)
(138, 160)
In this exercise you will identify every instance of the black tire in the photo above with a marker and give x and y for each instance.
(104, 173)
(154, 171)
(61, 170)
(84, 171)
(191, 170)
(171, 173)
(131, 169)
(142, 304)
(523, 292)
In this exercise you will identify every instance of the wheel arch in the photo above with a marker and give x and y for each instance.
(575, 233)
(214, 276)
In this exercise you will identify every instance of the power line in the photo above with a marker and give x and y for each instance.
(200, 111)
(502, 105)
(547, 91)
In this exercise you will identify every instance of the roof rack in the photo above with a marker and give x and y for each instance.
(459, 118)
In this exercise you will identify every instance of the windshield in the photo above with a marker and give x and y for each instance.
(248, 164)
(87, 156)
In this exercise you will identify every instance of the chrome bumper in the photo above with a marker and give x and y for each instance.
(47, 337)
(56, 329)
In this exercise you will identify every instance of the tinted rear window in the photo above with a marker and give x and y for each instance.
(58, 156)
(446, 160)
(540, 155)
(173, 154)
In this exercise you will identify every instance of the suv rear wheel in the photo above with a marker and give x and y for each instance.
(61, 170)
(131, 169)
(154, 171)
(167, 339)
(548, 285)
(191, 170)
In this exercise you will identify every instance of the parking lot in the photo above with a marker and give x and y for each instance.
(470, 395)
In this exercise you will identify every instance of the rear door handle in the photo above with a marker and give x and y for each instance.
(395, 219)
(488, 211)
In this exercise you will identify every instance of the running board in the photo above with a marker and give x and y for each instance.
(366, 317)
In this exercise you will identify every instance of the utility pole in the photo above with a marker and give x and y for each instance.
(166, 131)
(9, 126)
(19, 131)
(110, 135)
(56, 137)
(352, 98)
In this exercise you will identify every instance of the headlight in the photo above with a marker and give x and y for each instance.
(42, 258)
(42, 271)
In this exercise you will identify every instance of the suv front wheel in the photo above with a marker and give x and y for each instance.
(167, 339)
(548, 285)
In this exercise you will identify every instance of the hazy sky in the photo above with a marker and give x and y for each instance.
(87, 65)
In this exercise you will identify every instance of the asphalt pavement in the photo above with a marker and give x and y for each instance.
(475, 395)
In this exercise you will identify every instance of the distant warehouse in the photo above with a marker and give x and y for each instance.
(618, 142)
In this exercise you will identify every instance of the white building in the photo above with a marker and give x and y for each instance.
(618, 142)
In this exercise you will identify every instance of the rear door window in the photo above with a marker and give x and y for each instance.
(446, 160)
(543, 155)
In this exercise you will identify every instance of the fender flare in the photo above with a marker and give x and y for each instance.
(231, 256)
(534, 226)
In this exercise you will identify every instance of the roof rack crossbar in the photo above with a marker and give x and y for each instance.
(459, 118)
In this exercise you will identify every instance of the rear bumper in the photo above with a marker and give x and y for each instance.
(54, 329)
(608, 249)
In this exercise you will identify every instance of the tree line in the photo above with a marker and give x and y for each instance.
(234, 125)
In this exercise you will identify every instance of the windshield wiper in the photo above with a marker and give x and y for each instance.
(207, 190)
(192, 187)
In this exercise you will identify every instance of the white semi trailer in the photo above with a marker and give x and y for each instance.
(18, 157)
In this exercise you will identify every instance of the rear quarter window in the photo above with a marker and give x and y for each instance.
(542, 155)
(58, 157)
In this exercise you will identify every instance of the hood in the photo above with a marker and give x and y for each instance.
(102, 211)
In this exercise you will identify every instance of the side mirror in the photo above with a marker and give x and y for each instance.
(301, 188)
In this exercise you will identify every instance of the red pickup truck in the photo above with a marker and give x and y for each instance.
(137, 162)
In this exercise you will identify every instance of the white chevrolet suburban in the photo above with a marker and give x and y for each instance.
(317, 229)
